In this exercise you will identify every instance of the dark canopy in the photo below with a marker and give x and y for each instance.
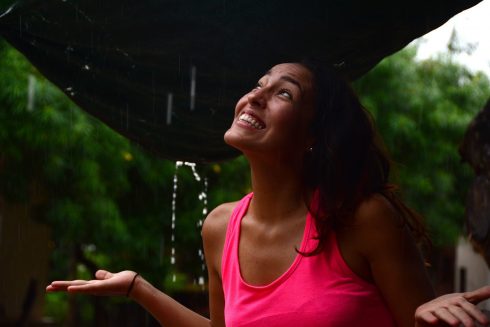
(167, 74)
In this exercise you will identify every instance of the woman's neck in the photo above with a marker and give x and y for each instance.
(278, 190)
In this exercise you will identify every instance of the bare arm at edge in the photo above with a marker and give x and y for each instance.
(214, 234)
(162, 307)
(166, 310)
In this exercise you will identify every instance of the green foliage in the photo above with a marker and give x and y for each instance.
(106, 201)
(422, 110)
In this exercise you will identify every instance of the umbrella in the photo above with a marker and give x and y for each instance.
(167, 73)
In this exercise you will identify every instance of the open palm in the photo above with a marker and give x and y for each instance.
(105, 283)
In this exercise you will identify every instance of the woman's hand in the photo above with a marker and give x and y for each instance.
(106, 283)
(453, 309)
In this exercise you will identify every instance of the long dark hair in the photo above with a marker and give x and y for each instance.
(348, 162)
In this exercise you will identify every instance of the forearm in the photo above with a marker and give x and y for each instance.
(166, 310)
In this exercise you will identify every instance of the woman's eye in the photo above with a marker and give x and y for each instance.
(257, 86)
(286, 93)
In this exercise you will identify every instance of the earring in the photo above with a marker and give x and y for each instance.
(310, 149)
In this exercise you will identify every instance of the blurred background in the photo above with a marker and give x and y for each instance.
(76, 196)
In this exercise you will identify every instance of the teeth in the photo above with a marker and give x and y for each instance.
(249, 119)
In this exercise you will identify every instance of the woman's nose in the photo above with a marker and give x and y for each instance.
(256, 98)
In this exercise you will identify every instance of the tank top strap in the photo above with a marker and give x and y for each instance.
(233, 225)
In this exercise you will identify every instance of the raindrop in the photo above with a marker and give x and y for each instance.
(70, 91)
(31, 90)
(193, 87)
(7, 11)
(124, 53)
(201, 281)
(86, 67)
(127, 117)
(169, 108)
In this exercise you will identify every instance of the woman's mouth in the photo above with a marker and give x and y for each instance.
(251, 121)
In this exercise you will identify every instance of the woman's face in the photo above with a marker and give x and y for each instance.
(274, 117)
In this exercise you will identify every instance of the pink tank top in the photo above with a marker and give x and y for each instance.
(316, 291)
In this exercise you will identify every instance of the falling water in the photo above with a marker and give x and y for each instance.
(31, 90)
(193, 88)
(203, 199)
(169, 108)
(174, 200)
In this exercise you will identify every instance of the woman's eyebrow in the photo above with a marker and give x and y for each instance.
(288, 79)
(293, 81)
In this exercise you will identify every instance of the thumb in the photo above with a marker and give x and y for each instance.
(478, 295)
(103, 274)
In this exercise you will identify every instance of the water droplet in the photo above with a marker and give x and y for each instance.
(193, 88)
(86, 67)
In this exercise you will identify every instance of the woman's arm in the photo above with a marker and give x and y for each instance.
(214, 234)
(392, 258)
(397, 269)
(166, 310)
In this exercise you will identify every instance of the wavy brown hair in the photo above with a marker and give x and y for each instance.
(348, 162)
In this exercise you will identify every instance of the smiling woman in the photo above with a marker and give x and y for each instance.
(281, 106)
(323, 240)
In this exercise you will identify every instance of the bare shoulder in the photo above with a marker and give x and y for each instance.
(214, 233)
(379, 227)
(386, 244)
(376, 212)
(217, 220)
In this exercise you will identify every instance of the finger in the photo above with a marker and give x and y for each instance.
(66, 283)
(62, 285)
(444, 315)
(103, 274)
(51, 288)
(427, 318)
(474, 312)
(478, 295)
(91, 287)
(461, 315)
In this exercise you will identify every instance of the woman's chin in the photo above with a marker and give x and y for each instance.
(232, 139)
(240, 142)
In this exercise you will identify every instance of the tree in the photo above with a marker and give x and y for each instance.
(422, 110)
